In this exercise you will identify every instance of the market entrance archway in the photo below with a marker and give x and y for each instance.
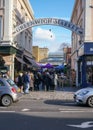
(49, 21)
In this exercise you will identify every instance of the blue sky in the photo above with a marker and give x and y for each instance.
(51, 9)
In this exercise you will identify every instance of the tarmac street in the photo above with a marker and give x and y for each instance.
(40, 110)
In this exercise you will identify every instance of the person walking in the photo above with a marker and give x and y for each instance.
(48, 81)
(31, 77)
(54, 82)
(20, 82)
(26, 82)
(39, 81)
(44, 81)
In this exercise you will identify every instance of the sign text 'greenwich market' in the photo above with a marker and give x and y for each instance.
(49, 21)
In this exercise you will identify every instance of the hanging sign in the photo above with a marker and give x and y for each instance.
(49, 21)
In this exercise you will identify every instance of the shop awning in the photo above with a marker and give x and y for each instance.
(20, 60)
(23, 62)
(33, 63)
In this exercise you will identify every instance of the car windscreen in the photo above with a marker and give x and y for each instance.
(11, 82)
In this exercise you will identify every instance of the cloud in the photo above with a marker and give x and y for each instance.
(47, 38)
(43, 34)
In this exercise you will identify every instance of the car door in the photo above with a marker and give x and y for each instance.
(2, 87)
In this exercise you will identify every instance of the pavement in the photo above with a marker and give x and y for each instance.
(65, 93)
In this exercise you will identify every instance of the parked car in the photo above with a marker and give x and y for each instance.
(8, 92)
(84, 96)
(12, 83)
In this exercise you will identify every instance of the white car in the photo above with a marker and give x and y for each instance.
(84, 96)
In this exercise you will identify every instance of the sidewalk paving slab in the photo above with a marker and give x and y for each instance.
(65, 93)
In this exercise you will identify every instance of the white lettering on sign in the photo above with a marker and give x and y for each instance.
(83, 125)
(49, 21)
(91, 49)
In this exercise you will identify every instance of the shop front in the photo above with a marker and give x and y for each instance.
(8, 54)
(85, 65)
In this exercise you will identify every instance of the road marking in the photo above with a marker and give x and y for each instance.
(3, 107)
(74, 110)
(61, 109)
(6, 111)
(24, 110)
(83, 125)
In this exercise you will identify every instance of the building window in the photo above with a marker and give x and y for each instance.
(2, 3)
(25, 40)
(81, 5)
(0, 27)
(21, 40)
(29, 43)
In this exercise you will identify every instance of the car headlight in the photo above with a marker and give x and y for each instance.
(83, 92)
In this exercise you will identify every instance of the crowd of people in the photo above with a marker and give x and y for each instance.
(36, 81)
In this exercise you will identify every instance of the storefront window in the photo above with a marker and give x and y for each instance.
(89, 69)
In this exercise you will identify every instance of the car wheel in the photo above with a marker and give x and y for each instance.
(6, 100)
(90, 101)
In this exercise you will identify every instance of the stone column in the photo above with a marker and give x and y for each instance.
(8, 20)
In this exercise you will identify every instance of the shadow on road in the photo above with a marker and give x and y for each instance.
(67, 89)
(64, 103)
(39, 121)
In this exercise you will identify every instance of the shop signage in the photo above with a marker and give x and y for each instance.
(91, 49)
(49, 21)
(88, 48)
(89, 62)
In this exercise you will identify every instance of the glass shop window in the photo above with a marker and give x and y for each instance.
(89, 69)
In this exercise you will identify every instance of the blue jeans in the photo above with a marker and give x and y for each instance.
(26, 87)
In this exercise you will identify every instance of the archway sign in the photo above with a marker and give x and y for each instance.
(49, 21)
